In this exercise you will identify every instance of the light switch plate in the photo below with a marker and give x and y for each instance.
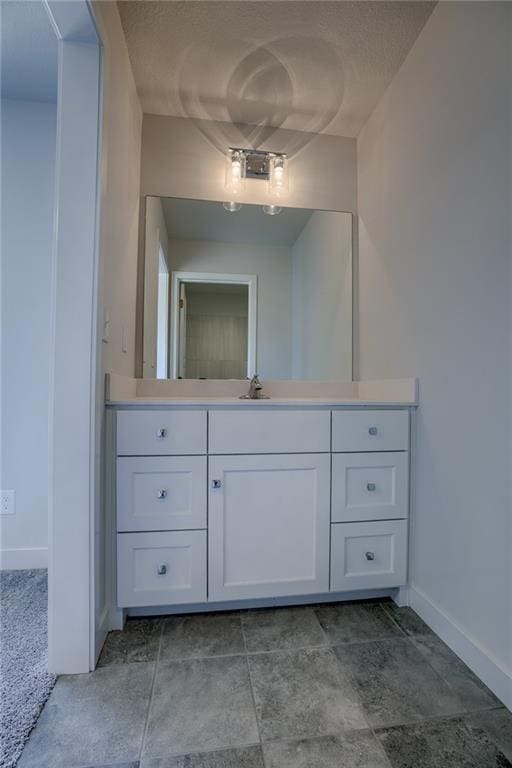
(7, 502)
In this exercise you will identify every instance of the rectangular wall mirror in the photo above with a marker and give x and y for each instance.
(231, 293)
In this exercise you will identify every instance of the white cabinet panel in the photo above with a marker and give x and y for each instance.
(161, 568)
(370, 430)
(268, 431)
(368, 555)
(159, 493)
(161, 433)
(268, 526)
(369, 486)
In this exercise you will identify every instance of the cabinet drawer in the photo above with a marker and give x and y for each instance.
(369, 486)
(161, 493)
(370, 431)
(161, 433)
(161, 568)
(368, 555)
(259, 431)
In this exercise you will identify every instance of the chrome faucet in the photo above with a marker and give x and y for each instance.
(255, 387)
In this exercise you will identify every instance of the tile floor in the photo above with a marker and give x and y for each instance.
(354, 685)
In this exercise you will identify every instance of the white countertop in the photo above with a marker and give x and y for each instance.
(131, 393)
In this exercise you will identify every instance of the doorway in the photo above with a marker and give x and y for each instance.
(214, 325)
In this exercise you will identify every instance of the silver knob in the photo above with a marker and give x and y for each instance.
(216, 484)
(370, 486)
(161, 494)
(162, 570)
(373, 431)
(162, 432)
(370, 555)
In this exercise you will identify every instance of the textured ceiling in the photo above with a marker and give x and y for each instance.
(304, 65)
(28, 52)
(203, 220)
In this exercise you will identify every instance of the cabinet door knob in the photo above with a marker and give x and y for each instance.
(370, 486)
(216, 484)
(370, 555)
(162, 432)
(162, 570)
(373, 431)
(161, 494)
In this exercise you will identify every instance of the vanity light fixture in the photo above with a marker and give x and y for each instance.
(242, 164)
(232, 206)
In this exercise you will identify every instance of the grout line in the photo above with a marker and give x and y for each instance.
(251, 686)
(150, 699)
(213, 751)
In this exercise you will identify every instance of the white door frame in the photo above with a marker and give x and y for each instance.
(73, 451)
(251, 281)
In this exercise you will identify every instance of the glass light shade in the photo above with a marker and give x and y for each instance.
(278, 176)
(232, 206)
(235, 171)
(272, 210)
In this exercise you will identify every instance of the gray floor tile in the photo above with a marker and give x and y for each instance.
(497, 727)
(395, 682)
(440, 744)
(138, 641)
(302, 693)
(206, 634)
(92, 719)
(200, 705)
(407, 619)
(248, 757)
(473, 694)
(352, 750)
(355, 622)
(116, 765)
(281, 629)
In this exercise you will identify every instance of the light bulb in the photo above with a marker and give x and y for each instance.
(272, 210)
(232, 206)
(235, 171)
(278, 176)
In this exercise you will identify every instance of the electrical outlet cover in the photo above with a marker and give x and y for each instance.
(7, 499)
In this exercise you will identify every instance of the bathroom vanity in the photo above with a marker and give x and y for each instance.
(220, 500)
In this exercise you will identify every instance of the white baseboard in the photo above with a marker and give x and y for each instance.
(478, 659)
(25, 558)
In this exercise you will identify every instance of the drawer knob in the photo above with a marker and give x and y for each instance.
(370, 555)
(162, 432)
(373, 431)
(216, 484)
(162, 570)
(370, 487)
(161, 494)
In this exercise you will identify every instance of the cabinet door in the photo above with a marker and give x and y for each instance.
(268, 525)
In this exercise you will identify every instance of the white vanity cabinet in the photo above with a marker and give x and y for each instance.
(257, 502)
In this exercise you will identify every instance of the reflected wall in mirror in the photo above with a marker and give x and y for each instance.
(227, 294)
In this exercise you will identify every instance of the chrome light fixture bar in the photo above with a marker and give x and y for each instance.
(242, 164)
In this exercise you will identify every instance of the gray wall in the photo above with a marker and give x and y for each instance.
(28, 169)
(186, 158)
(322, 299)
(434, 302)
